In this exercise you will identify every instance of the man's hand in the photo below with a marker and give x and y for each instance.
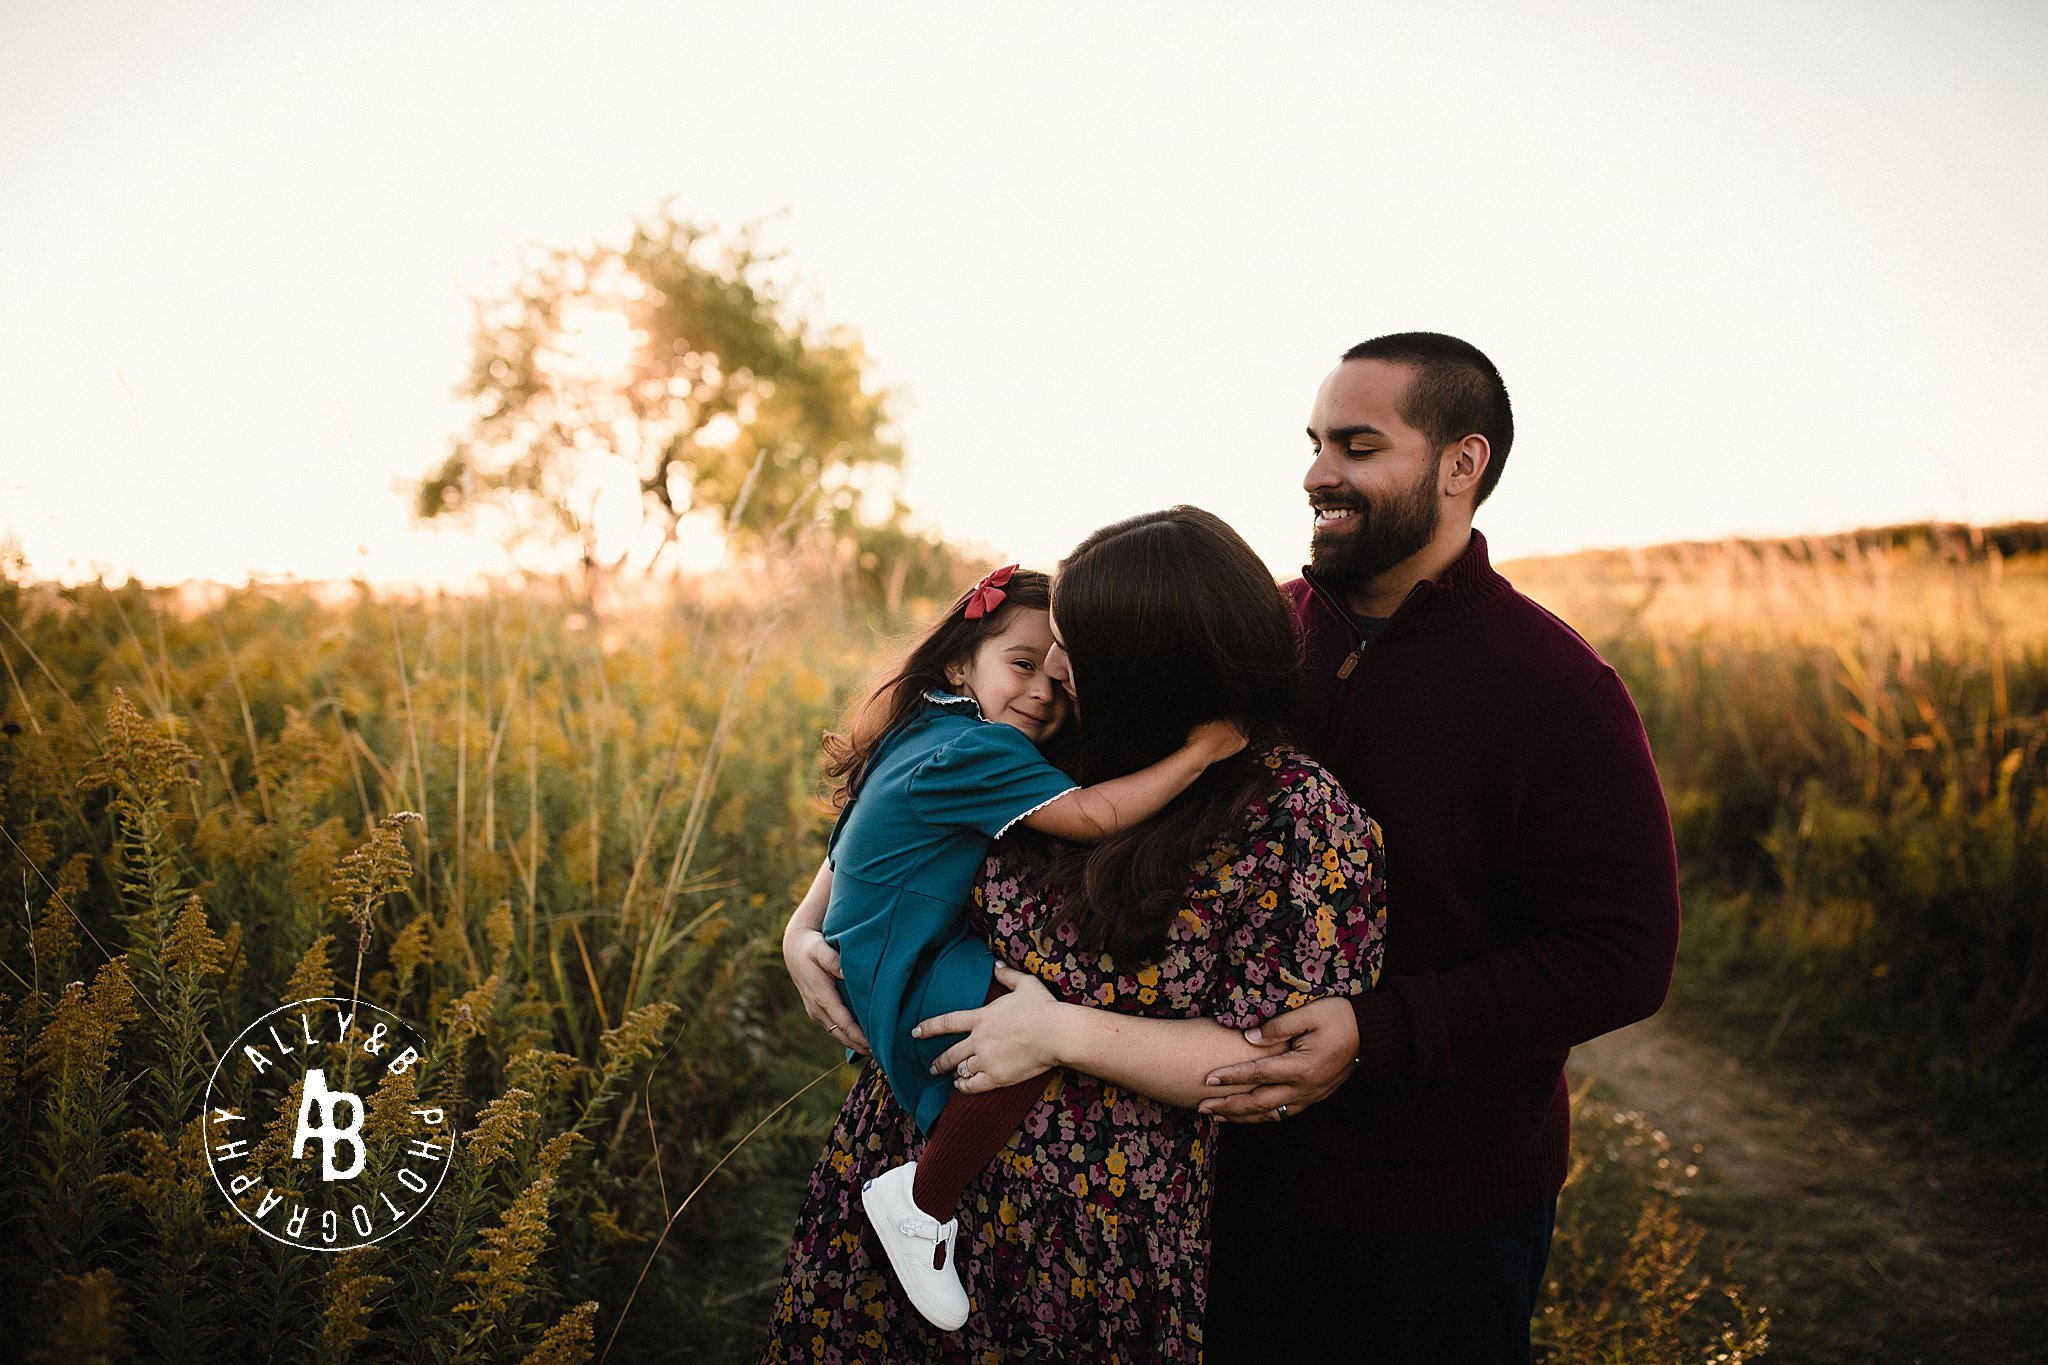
(814, 968)
(1322, 1044)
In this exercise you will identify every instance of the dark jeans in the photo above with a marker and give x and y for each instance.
(1452, 1298)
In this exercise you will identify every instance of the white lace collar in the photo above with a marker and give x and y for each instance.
(954, 699)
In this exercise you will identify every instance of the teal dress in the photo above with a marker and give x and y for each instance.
(904, 856)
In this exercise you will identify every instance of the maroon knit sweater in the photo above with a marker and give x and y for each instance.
(1532, 903)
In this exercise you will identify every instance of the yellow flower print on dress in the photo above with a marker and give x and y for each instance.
(1091, 1155)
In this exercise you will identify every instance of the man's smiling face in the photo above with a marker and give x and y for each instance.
(1373, 478)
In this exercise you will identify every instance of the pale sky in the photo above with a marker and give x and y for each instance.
(1747, 267)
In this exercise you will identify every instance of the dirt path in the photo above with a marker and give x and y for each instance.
(1869, 1239)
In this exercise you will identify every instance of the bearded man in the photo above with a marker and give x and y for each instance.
(1401, 1207)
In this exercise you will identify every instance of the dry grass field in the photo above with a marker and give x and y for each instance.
(1853, 733)
(198, 792)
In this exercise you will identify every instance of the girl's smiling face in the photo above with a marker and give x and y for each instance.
(1006, 676)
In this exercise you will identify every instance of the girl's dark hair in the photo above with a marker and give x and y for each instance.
(1169, 619)
(952, 640)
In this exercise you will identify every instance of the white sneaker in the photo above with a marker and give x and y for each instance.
(913, 1239)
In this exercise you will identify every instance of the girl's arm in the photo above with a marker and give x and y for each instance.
(1170, 1060)
(1086, 815)
(814, 966)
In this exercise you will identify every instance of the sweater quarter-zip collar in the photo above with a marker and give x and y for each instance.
(1468, 586)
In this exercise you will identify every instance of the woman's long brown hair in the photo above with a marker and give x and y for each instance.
(1169, 620)
(951, 640)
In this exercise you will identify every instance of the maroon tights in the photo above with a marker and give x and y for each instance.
(970, 1131)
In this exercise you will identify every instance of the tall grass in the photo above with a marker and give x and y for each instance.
(616, 818)
(201, 795)
(1631, 1279)
(1853, 734)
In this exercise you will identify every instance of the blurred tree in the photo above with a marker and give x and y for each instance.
(626, 397)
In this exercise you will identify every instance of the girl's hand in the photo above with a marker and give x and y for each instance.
(814, 967)
(1010, 1039)
(1216, 740)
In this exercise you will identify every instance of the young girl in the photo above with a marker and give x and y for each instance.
(942, 759)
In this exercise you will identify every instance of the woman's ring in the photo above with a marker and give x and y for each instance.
(1281, 1111)
(962, 1072)
(835, 1028)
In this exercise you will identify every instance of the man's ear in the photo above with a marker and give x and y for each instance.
(1463, 465)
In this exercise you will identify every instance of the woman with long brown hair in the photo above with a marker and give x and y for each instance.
(941, 759)
(1256, 890)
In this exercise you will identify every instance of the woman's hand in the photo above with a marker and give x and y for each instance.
(1012, 1038)
(814, 968)
(813, 964)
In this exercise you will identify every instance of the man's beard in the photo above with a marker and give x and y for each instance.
(1385, 535)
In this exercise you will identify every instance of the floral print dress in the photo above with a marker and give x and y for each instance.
(1088, 1239)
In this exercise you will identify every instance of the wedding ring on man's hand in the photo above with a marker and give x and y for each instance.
(835, 1028)
(1281, 1111)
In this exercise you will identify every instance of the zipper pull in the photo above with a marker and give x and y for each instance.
(1344, 670)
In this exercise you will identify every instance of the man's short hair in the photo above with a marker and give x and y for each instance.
(1456, 393)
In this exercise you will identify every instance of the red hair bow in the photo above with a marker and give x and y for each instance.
(988, 594)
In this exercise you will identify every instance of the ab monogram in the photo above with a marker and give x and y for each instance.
(316, 1128)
